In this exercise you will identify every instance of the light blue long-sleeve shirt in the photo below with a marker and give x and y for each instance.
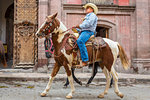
(89, 23)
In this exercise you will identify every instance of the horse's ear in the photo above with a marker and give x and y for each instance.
(47, 17)
(54, 16)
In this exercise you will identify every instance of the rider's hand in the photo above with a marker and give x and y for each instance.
(74, 30)
(76, 26)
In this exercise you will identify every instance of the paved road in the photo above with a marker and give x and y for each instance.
(30, 90)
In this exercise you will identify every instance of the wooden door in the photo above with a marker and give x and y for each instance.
(102, 32)
(25, 26)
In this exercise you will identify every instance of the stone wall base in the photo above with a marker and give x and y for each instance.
(141, 66)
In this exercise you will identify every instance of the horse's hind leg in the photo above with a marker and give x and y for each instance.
(115, 77)
(51, 78)
(67, 83)
(107, 74)
(68, 71)
(111, 82)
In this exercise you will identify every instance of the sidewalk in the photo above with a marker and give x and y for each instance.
(31, 76)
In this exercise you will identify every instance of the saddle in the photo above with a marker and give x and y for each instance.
(94, 42)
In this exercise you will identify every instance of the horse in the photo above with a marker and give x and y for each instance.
(2, 55)
(49, 50)
(64, 57)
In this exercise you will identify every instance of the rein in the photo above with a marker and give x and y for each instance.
(50, 48)
(47, 28)
(64, 42)
(67, 30)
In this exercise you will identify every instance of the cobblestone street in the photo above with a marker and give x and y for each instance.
(30, 90)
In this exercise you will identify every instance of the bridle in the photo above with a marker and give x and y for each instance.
(48, 26)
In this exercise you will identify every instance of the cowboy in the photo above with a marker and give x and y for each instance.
(88, 28)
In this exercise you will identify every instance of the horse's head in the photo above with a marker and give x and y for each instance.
(49, 26)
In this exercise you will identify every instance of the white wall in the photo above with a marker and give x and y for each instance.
(4, 4)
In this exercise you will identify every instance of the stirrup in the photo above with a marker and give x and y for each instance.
(80, 65)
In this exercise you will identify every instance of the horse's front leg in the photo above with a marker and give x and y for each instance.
(69, 74)
(51, 78)
(74, 77)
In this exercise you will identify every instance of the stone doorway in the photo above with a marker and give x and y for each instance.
(102, 32)
(25, 27)
(9, 16)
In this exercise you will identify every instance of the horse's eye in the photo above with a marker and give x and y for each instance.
(47, 22)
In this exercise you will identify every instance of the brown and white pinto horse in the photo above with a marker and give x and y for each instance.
(64, 57)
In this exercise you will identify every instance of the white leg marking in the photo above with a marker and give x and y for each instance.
(48, 86)
(71, 84)
(113, 72)
(107, 74)
(115, 77)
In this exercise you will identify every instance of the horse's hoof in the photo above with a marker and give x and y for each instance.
(43, 94)
(65, 86)
(87, 85)
(68, 97)
(101, 96)
(80, 83)
(120, 95)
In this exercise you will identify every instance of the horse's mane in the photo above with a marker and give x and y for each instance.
(62, 27)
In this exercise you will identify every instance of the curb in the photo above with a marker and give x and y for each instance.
(130, 78)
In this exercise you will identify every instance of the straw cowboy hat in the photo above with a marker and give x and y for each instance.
(92, 6)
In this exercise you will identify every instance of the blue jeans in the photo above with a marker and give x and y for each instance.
(83, 38)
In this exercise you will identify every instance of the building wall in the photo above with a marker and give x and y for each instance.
(128, 20)
(141, 62)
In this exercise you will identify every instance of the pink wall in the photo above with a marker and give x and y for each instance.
(74, 1)
(123, 28)
(121, 2)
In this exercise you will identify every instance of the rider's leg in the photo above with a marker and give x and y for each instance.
(83, 38)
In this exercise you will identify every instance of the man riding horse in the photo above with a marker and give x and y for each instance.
(63, 44)
(86, 30)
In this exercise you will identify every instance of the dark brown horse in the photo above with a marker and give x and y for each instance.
(2, 55)
(64, 57)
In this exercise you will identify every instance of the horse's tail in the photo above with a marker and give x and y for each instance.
(123, 57)
(2, 55)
